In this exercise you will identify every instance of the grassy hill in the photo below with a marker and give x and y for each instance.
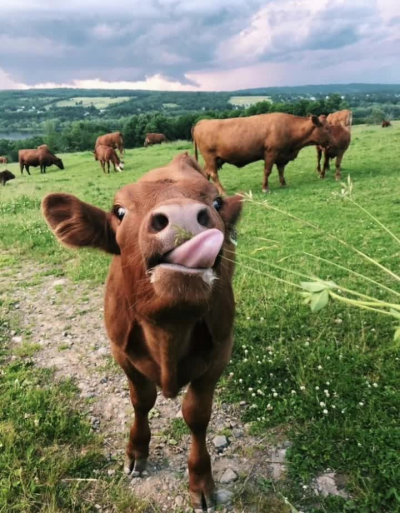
(329, 381)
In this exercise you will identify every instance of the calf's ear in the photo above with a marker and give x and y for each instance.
(316, 121)
(78, 224)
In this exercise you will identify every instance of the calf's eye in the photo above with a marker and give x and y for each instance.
(120, 212)
(217, 204)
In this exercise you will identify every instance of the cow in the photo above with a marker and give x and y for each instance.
(6, 176)
(340, 141)
(386, 123)
(41, 157)
(169, 304)
(154, 139)
(105, 155)
(341, 117)
(3, 160)
(114, 140)
(275, 138)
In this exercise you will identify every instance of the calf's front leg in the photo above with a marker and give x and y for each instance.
(196, 410)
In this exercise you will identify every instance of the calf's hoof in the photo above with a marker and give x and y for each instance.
(135, 468)
(338, 177)
(203, 502)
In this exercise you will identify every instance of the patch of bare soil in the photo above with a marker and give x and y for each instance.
(66, 320)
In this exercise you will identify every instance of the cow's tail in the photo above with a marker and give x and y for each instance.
(196, 153)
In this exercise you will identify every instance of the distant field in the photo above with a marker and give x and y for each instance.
(170, 105)
(248, 100)
(100, 102)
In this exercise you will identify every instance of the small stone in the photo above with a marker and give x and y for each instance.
(179, 501)
(57, 283)
(330, 484)
(237, 433)
(16, 340)
(224, 496)
(228, 476)
(242, 403)
(111, 472)
(220, 442)
(103, 351)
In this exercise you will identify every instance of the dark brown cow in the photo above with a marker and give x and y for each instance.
(341, 117)
(6, 176)
(275, 138)
(169, 303)
(154, 139)
(41, 157)
(341, 138)
(386, 123)
(3, 160)
(105, 155)
(114, 140)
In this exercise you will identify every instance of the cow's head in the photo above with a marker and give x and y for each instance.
(321, 132)
(59, 163)
(171, 231)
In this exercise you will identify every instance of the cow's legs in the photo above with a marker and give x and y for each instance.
(281, 171)
(211, 170)
(338, 174)
(196, 409)
(319, 156)
(27, 170)
(269, 162)
(326, 166)
(103, 166)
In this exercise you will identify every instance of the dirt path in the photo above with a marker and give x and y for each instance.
(66, 320)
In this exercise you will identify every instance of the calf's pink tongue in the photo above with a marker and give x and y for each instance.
(199, 252)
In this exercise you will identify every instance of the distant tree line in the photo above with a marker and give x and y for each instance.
(81, 135)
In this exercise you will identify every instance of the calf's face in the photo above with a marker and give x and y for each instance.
(59, 164)
(171, 231)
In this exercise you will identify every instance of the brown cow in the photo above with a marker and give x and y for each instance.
(341, 138)
(154, 139)
(6, 176)
(41, 157)
(105, 155)
(275, 138)
(341, 117)
(3, 160)
(114, 140)
(169, 303)
(386, 123)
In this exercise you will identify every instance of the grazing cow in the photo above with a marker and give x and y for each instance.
(41, 157)
(341, 117)
(169, 303)
(3, 160)
(340, 141)
(154, 139)
(6, 176)
(114, 140)
(105, 155)
(386, 123)
(275, 138)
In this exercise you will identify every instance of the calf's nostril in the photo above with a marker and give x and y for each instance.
(159, 222)
(203, 217)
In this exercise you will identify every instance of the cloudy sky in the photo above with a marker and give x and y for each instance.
(197, 44)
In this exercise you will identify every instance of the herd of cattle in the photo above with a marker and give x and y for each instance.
(275, 138)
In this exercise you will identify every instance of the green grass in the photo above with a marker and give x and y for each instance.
(248, 100)
(280, 347)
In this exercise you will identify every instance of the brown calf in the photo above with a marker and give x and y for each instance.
(386, 123)
(114, 140)
(105, 155)
(341, 138)
(6, 176)
(154, 139)
(3, 160)
(275, 138)
(169, 303)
